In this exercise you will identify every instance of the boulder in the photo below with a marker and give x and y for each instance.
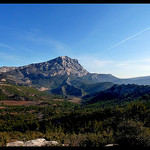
(53, 143)
(17, 143)
(37, 142)
(111, 145)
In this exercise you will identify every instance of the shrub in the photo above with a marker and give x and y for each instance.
(132, 133)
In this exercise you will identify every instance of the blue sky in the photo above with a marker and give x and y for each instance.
(105, 38)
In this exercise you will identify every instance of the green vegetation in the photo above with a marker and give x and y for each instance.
(88, 125)
(16, 92)
(77, 125)
(119, 95)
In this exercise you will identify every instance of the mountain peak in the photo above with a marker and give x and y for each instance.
(62, 65)
(65, 64)
(66, 58)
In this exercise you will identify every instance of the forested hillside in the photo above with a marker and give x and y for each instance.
(77, 125)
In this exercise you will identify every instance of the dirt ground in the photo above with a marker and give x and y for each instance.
(20, 103)
(75, 100)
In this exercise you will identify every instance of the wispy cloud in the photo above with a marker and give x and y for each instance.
(126, 39)
(9, 57)
(122, 69)
(6, 46)
(58, 46)
(143, 64)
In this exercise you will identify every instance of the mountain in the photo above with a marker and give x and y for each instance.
(61, 75)
(66, 89)
(78, 88)
(119, 94)
(6, 69)
(64, 76)
(33, 73)
(22, 93)
(96, 78)
(137, 80)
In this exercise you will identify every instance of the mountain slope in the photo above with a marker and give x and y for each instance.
(22, 93)
(62, 74)
(96, 78)
(119, 94)
(30, 74)
(138, 80)
(6, 69)
(66, 89)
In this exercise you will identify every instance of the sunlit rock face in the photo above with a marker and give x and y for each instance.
(62, 65)
(6, 69)
(31, 143)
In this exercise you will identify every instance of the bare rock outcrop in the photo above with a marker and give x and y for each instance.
(7, 69)
(31, 143)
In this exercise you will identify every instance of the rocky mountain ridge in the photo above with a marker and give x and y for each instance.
(58, 66)
(120, 94)
(6, 69)
(61, 75)
(64, 76)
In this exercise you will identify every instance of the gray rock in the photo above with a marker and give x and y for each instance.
(111, 145)
(17, 143)
(31, 143)
(36, 142)
(7, 69)
(53, 142)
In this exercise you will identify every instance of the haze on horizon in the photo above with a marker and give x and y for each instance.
(105, 38)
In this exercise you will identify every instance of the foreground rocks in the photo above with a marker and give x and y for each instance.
(41, 142)
(111, 145)
(36, 142)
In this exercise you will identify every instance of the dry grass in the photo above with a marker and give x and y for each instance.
(20, 103)
(75, 100)
(58, 99)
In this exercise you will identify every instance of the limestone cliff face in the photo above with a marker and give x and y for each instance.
(60, 66)
(6, 69)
